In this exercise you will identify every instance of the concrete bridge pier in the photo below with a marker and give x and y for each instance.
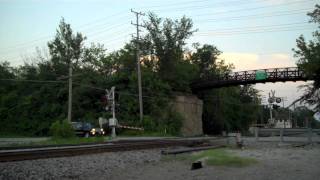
(190, 107)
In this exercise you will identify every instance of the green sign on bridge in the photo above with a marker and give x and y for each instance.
(261, 75)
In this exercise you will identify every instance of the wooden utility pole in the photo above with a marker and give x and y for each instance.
(138, 61)
(70, 93)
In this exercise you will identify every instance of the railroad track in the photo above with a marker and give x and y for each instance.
(50, 152)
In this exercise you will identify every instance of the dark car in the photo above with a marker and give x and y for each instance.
(82, 128)
(97, 132)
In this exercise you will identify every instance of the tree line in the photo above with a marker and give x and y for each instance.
(34, 95)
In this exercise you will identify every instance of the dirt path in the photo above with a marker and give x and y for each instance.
(273, 163)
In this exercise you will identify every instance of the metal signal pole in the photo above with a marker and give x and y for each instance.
(112, 121)
(138, 61)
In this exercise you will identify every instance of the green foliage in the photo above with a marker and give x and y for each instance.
(148, 123)
(66, 47)
(173, 123)
(309, 60)
(206, 59)
(72, 140)
(59, 141)
(62, 129)
(169, 125)
(230, 109)
(30, 108)
(302, 115)
(221, 157)
(165, 40)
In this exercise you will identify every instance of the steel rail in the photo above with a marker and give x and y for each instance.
(50, 152)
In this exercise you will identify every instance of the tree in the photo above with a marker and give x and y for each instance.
(206, 59)
(165, 40)
(231, 108)
(66, 47)
(309, 60)
(303, 117)
(30, 108)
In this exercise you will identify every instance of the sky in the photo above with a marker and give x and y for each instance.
(252, 34)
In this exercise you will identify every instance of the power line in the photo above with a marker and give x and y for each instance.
(103, 19)
(261, 27)
(255, 16)
(294, 2)
(97, 33)
(116, 14)
(47, 37)
(106, 29)
(156, 96)
(169, 97)
(253, 32)
(33, 81)
(114, 37)
(51, 81)
(181, 6)
(173, 4)
(253, 8)
(94, 33)
(90, 86)
(51, 36)
(255, 29)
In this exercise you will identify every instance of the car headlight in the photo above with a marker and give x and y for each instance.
(93, 130)
(101, 130)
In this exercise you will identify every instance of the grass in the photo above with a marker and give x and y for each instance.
(135, 133)
(220, 157)
(59, 141)
(74, 140)
(216, 157)
(13, 136)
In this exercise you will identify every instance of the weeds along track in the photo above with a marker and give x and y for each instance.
(64, 151)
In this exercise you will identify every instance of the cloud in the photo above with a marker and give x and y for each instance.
(250, 61)
(241, 61)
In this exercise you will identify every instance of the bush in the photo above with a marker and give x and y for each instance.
(174, 123)
(62, 129)
(148, 123)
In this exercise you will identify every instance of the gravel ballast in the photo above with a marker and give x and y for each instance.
(274, 162)
(99, 166)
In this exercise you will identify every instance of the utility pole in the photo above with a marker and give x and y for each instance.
(112, 121)
(70, 93)
(138, 61)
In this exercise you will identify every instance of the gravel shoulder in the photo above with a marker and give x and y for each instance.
(274, 162)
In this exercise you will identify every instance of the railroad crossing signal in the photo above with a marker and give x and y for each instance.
(278, 100)
(110, 94)
(274, 106)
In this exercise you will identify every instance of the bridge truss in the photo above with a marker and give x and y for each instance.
(250, 77)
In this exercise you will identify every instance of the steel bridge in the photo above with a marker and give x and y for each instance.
(250, 77)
